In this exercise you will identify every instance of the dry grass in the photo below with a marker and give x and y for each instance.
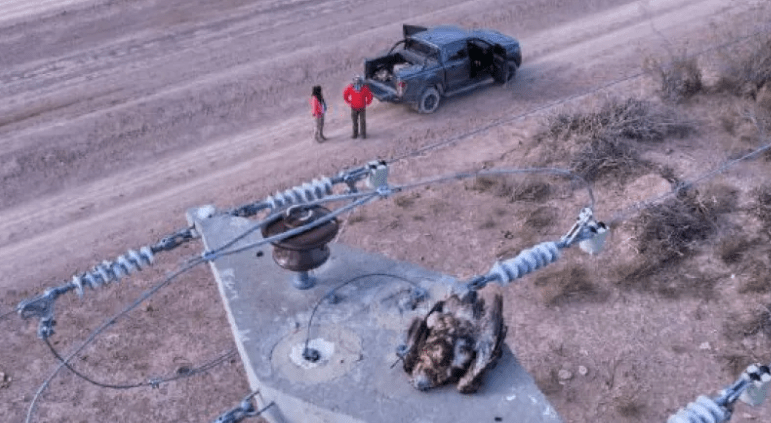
(731, 250)
(746, 68)
(603, 157)
(667, 234)
(756, 284)
(532, 191)
(629, 407)
(761, 207)
(541, 218)
(753, 323)
(482, 184)
(678, 79)
(669, 230)
(631, 118)
(529, 191)
(720, 198)
(406, 201)
(571, 285)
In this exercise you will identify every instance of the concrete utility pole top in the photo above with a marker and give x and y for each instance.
(354, 335)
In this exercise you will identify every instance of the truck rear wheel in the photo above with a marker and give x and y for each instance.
(428, 101)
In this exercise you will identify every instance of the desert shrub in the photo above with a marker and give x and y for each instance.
(746, 68)
(749, 324)
(481, 184)
(571, 285)
(666, 233)
(602, 156)
(720, 198)
(756, 284)
(631, 118)
(531, 191)
(732, 250)
(541, 218)
(671, 228)
(761, 207)
(679, 78)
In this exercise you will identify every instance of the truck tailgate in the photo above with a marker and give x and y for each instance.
(381, 91)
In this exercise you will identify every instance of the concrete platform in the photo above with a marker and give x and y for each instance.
(356, 334)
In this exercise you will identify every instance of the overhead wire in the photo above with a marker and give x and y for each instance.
(102, 327)
(330, 294)
(510, 171)
(361, 199)
(764, 30)
(154, 382)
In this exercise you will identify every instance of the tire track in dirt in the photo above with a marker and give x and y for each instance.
(178, 119)
(228, 162)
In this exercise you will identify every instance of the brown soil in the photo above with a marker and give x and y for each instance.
(120, 115)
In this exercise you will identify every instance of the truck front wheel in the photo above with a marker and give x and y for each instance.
(428, 101)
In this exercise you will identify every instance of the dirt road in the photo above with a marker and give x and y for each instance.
(119, 115)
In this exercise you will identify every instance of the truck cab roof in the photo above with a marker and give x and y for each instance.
(440, 36)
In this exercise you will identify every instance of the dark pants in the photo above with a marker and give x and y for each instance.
(359, 118)
(319, 133)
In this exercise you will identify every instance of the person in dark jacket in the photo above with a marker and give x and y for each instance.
(318, 110)
(358, 96)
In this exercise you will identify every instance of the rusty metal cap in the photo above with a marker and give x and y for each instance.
(298, 216)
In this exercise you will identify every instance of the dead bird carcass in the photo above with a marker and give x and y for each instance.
(454, 343)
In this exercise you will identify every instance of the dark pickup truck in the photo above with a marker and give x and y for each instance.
(429, 64)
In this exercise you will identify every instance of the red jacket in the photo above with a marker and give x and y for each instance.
(357, 99)
(317, 108)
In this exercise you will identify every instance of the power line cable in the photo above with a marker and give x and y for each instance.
(416, 295)
(502, 121)
(154, 382)
(369, 196)
(104, 326)
(491, 172)
(6, 314)
(626, 213)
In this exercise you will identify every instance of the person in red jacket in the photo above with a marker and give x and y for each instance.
(358, 96)
(318, 110)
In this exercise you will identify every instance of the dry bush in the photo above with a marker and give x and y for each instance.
(678, 79)
(666, 234)
(731, 250)
(761, 207)
(670, 229)
(602, 157)
(533, 191)
(631, 118)
(356, 218)
(757, 322)
(720, 198)
(629, 407)
(481, 184)
(660, 278)
(496, 186)
(757, 284)
(746, 68)
(541, 218)
(406, 201)
(568, 286)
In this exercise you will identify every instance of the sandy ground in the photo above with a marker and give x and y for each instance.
(120, 115)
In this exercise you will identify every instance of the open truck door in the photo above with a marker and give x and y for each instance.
(501, 67)
(408, 30)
